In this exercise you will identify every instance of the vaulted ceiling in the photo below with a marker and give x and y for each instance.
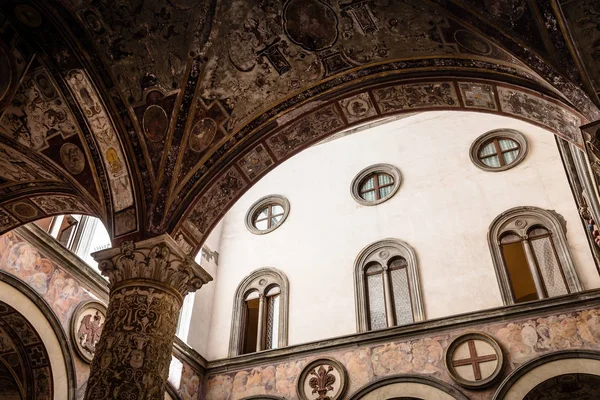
(156, 115)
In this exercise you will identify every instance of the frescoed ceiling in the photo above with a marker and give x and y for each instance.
(156, 115)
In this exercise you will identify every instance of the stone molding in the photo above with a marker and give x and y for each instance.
(389, 169)
(394, 248)
(272, 276)
(408, 378)
(261, 203)
(529, 366)
(520, 220)
(498, 133)
(159, 260)
(575, 301)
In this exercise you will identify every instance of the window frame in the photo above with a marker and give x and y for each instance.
(262, 281)
(357, 182)
(259, 205)
(520, 220)
(494, 136)
(383, 252)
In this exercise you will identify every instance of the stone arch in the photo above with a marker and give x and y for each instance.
(47, 350)
(339, 105)
(529, 375)
(411, 386)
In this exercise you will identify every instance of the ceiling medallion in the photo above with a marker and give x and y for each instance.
(311, 24)
(322, 379)
(86, 326)
(474, 360)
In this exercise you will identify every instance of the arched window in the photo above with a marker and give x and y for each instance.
(531, 256)
(260, 307)
(387, 286)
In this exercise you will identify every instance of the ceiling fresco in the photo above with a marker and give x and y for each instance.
(157, 115)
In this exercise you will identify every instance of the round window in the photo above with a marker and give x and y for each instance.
(375, 184)
(267, 214)
(499, 150)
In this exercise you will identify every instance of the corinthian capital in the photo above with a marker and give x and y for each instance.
(159, 259)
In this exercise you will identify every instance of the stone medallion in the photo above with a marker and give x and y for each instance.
(311, 24)
(86, 326)
(155, 122)
(322, 379)
(474, 360)
(506, 10)
(202, 134)
(472, 42)
(72, 158)
(24, 210)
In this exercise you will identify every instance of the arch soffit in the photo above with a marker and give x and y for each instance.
(287, 134)
(439, 386)
(70, 386)
(507, 221)
(251, 282)
(369, 254)
(586, 361)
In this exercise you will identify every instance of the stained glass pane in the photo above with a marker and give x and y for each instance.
(369, 196)
(377, 318)
(262, 214)
(277, 209)
(368, 184)
(510, 156)
(506, 144)
(487, 150)
(275, 220)
(385, 179)
(401, 294)
(272, 324)
(549, 266)
(493, 161)
(384, 192)
(262, 225)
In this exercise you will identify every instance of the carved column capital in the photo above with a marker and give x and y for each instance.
(159, 260)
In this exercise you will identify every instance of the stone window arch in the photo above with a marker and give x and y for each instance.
(387, 287)
(260, 312)
(531, 255)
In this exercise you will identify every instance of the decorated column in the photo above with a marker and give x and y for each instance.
(148, 281)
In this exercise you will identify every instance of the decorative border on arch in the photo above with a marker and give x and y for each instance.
(354, 107)
(529, 366)
(57, 329)
(428, 381)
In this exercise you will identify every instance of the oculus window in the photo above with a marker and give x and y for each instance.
(267, 214)
(499, 150)
(376, 184)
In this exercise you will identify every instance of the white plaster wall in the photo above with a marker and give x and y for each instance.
(37, 319)
(198, 335)
(443, 210)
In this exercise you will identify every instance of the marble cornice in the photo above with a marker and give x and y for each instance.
(185, 353)
(586, 299)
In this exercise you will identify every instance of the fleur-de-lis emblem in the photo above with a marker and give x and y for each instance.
(322, 382)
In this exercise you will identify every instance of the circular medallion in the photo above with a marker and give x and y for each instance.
(324, 378)
(357, 107)
(86, 326)
(202, 134)
(155, 122)
(472, 42)
(474, 360)
(311, 24)
(507, 10)
(28, 15)
(72, 158)
(24, 210)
